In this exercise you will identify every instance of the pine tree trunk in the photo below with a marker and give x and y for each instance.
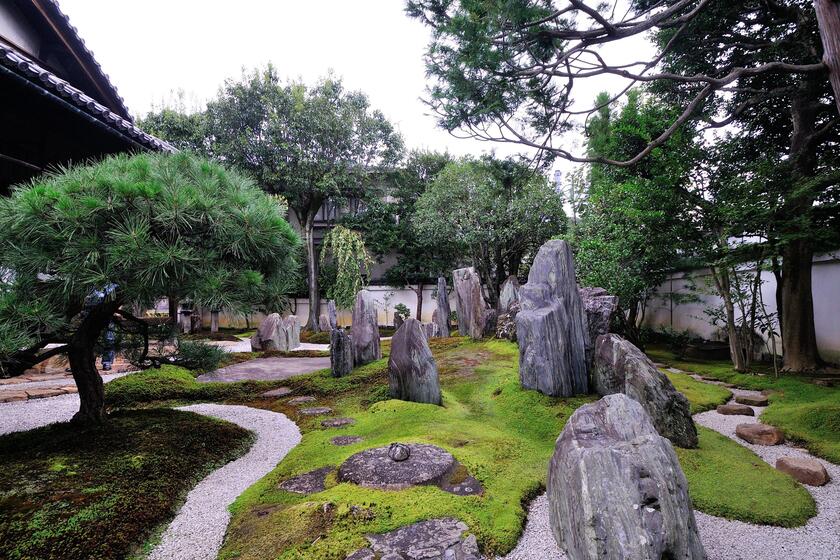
(88, 382)
(311, 273)
(419, 291)
(799, 339)
(174, 317)
(214, 321)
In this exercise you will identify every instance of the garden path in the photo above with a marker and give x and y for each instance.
(266, 369)
(197, 531)
(724, 539)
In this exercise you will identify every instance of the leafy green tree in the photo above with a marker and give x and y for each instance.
(388, 226)
(128, 228)
(309, 143)
(629, 234)
(347, 250)
(507, 70)
(497, 212)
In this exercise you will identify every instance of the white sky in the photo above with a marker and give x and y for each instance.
(153, 48)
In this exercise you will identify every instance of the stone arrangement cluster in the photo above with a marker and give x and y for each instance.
(277, 333)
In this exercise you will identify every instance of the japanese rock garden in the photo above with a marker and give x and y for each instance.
(263, 322)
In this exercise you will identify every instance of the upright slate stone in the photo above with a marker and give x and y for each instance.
(332, 314)
(270, 335)
(341, 353)
(616, 490)
(412, 371)
(430, 330)
(291, 326)
(442, 313)
(324, 323)
(398, 321)
(551, 325)
(365, 330)
(508, 294)
(619, 367)
(599, 307)
(469, 302)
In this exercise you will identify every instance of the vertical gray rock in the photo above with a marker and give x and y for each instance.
(398, 321)
(441, 316)
(469, 302)
(599, 307)
(332, 314)
(430, 330)
(341, 353)
(619, 367)
(616, 490)
(365, 330)
(551, 325)
(490, 320)
(412, 371)
(291, 326)
(270, 335)
(324, 323)
(506, 323)
(508, 294)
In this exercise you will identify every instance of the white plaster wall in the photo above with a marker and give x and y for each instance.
(689, 316)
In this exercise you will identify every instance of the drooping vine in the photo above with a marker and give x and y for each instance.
(347, 250)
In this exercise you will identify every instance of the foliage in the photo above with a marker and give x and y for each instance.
(806, 412)
(497, 211)
(628, 237)
(198, 355)
(401, 311)
(101, 492)
(701, 396)
(149, 224)
(347, 250)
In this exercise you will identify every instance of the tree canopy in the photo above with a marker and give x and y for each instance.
(80, 244)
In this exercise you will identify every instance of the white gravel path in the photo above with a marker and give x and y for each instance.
(723, 539)
(19, 416)
(197, 531)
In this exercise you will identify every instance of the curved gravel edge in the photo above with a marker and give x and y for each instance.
(198, 529)
(725, 539)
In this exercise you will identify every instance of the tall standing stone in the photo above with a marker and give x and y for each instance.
(292, 331)
(341, 353)
(599, 307)
(412, 371)
(619, 367)
(508, 294)
(270, 335)
(324, 323)
(616, 490)
(551, 325)
(442, 313)
(332, 314)
(469, 302)
(365, 330)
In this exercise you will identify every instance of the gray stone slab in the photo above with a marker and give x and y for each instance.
(266, 369)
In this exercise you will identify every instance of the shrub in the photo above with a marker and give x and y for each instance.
(401, 311)
(198, 355)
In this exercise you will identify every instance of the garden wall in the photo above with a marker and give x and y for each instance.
(666, 311)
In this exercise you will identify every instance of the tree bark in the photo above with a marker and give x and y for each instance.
(80, 352)
(174, 316)
(419, 291)
(828, 21)
(799, 338)
(214, 321)
(722, 281)
(311, 271)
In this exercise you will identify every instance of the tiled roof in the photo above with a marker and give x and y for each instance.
(60, 18)
(25, 67)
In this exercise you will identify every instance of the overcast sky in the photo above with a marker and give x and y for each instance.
(153, 48)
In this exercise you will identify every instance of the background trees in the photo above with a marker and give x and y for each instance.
(82, 244)
(497, 212)
(507, 71)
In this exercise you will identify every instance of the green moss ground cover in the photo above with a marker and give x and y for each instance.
(701, 396)
(98, 493)
(806, 412)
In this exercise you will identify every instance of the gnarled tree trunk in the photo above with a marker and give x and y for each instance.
(419, 291)
(799, 337)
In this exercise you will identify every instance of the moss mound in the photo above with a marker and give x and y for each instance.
(97, 493)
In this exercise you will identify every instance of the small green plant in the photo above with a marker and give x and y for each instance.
(402, 311)
(198, 355)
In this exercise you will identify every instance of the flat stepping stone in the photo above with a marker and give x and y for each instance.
(346, 440)
(805, 470)
(337, 422)
(44, 393)
(373, 468)
(735, 409)
(760, 434)
(13, 396)
(301, 400)
(278, 392)
(752, 400)
(434, 538)
(463, 486)
(316, 410)
(308, 482)
(674, 370)
(826, 382)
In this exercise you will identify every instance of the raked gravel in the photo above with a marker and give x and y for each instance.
(723, 539)
(197, 531)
